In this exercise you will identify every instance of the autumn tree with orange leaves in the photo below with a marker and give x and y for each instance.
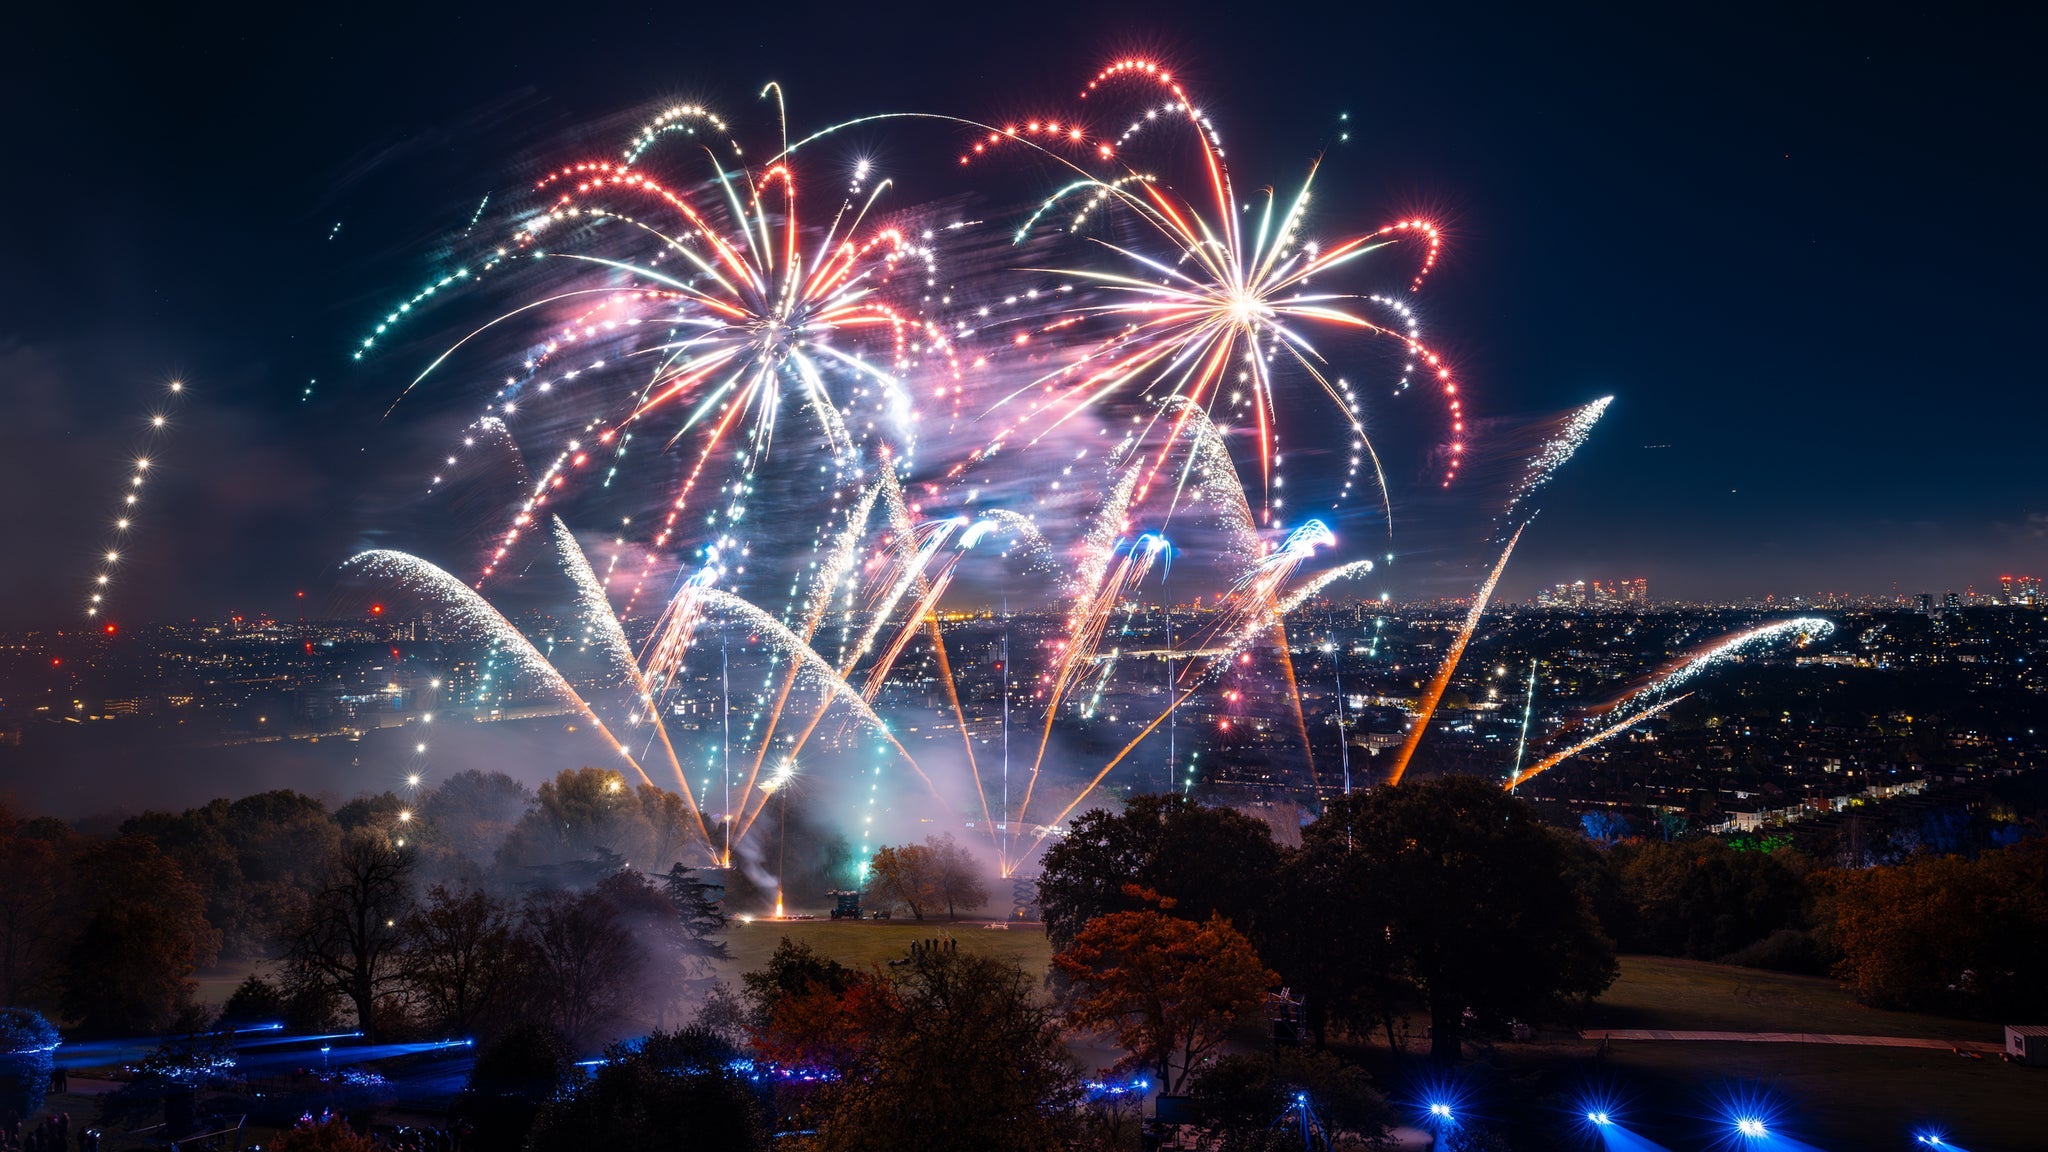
(1168, 988)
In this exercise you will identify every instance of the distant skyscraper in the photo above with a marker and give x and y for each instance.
(1926, 603)
(2027, 589)
(1951, 603)
(2005, 590)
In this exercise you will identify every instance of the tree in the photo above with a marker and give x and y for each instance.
(958, 876)
(33, 932)
(673, 1092)
(348, 939)
(474, 811)
(794, 967)
(906, 875)
(28, 1044)
(1704, 899)
(300, 1009)
(591, 810)
(1169, 988)
(255, 858)
(674, 959)
(586, 965)
(129, 971)
(1471, 894)
(1240, 1096)
(514, 1076)
(1209, 861)
(254, 1001)
(811, 1012)
(371, 810)
(961, 1055)
(462, 961)
(1945, 932)
(700, 908)
(281, 840)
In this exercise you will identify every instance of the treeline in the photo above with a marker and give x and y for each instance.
(1447, 900)
(462, 910)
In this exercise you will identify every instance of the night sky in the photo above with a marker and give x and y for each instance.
(1804, 253)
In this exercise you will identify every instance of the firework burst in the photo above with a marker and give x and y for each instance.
(1211, 307)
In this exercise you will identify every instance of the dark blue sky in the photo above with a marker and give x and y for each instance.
(1804, 252)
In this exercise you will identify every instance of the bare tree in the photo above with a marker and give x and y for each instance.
(463, 959)
(348, 938)
(586, 965)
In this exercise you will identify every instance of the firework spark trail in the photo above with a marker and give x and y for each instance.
(1252, 607)
(1217, 482)
(1442, 678)
(598, 618)
(1047, 828)
(600, 623)
(1317, 583)
(477, 615)
(1805, 628)
(904, 573)
(1147, 549)
(1218, 658)
(1528, 710)
(1555, 452)
(966, 737)
(158, 422)
(1093, 595)
(1257, 594)
(838, 564)
(924, 541)
(491, 432)
(1556, 758)
(817, 670)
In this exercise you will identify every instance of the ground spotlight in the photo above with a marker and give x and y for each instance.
(1598, 1119)
(1751, 1127)
(1439, 1110)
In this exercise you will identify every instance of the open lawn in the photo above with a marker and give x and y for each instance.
(863, 943)
(1660, 992)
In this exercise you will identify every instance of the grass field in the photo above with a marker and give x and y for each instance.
(1660, 992)
(865, 943)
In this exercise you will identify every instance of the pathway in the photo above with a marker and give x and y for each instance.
(1791, 1038)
